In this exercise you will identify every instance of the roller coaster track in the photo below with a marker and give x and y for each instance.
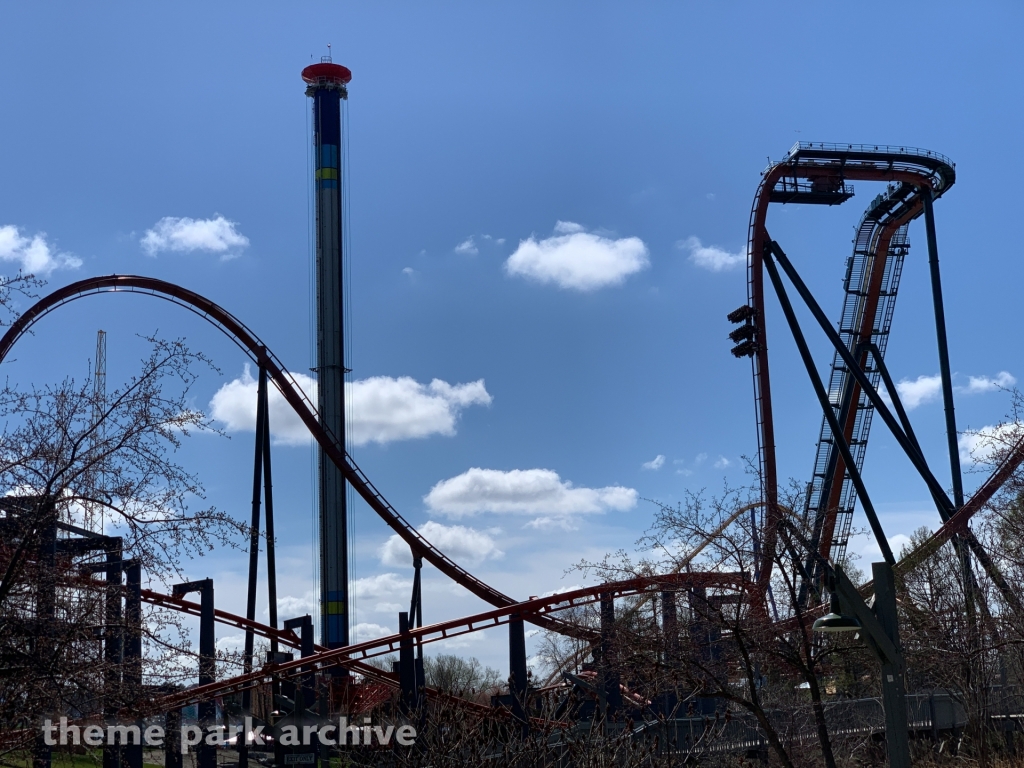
(289, 638)
(817, 173)
(352, 655)
(235, 330)
(871, 283)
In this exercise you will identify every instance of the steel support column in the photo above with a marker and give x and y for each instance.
(172, 739)
(518, 683)
(132, 675)
(406, 666)
(268, 503)
(206, 753)
(46, 586)
(940, 338)
(894, 695)
(113, 647)
(608, 676)
(254, 549)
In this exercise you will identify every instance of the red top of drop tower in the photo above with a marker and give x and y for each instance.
(326, 73)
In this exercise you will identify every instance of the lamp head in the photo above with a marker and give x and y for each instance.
(835, 620)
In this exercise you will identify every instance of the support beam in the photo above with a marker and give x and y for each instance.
(206, 753)
(172, 740)
(306, 694)
(113, 647)
(940, 337)
(46, 599)
(518, 683)
(132, 675)
(942, 501)
(894, 695)
(254, 549)
(268, 502)
(610, 693)
(826, 408)
(406, 666)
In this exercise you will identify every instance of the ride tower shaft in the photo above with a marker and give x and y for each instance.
(327, 87)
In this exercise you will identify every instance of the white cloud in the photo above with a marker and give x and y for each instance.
(216, 235)
(982, 445)
(231, 643)
(567, 227)
(979, 384)
(711, 257)
(462, 544)
(722, 462)
(468, 247)
(922, 390)
(538, 492)
(926, 389)
(408, 271)
(295, 606)
(872, 553)
(34, 255)
(381, 409)
(368, 631)
(576, 259)
(384, 409)
(656, 463)
(383, 586)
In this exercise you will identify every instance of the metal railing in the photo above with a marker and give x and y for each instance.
(881, 149)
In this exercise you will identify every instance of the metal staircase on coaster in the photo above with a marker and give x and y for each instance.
(825, 495)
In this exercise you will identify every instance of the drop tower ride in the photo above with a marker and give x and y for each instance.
(327, 86)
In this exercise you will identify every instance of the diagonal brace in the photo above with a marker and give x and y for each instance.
(826, 407)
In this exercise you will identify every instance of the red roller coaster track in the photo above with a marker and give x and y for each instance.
(529, 609)
(292, 393)
(825, 167)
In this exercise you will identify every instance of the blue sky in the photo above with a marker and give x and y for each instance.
(479, 132)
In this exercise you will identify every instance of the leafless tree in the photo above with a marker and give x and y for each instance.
(63, 455)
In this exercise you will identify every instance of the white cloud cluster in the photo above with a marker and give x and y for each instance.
(921, 390)
(711, 257)
(381, 409)
(365, 630)
(553, 502)
(462, 544)
(576, 259)
(33, 254)
(216, 235)
(295, 606)
(384, 409)
(982, 445)
(471, 247)
(230, 643)
(654, 464)
(979, 384)
(467, 247)
(926, 389)
(383, 586)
